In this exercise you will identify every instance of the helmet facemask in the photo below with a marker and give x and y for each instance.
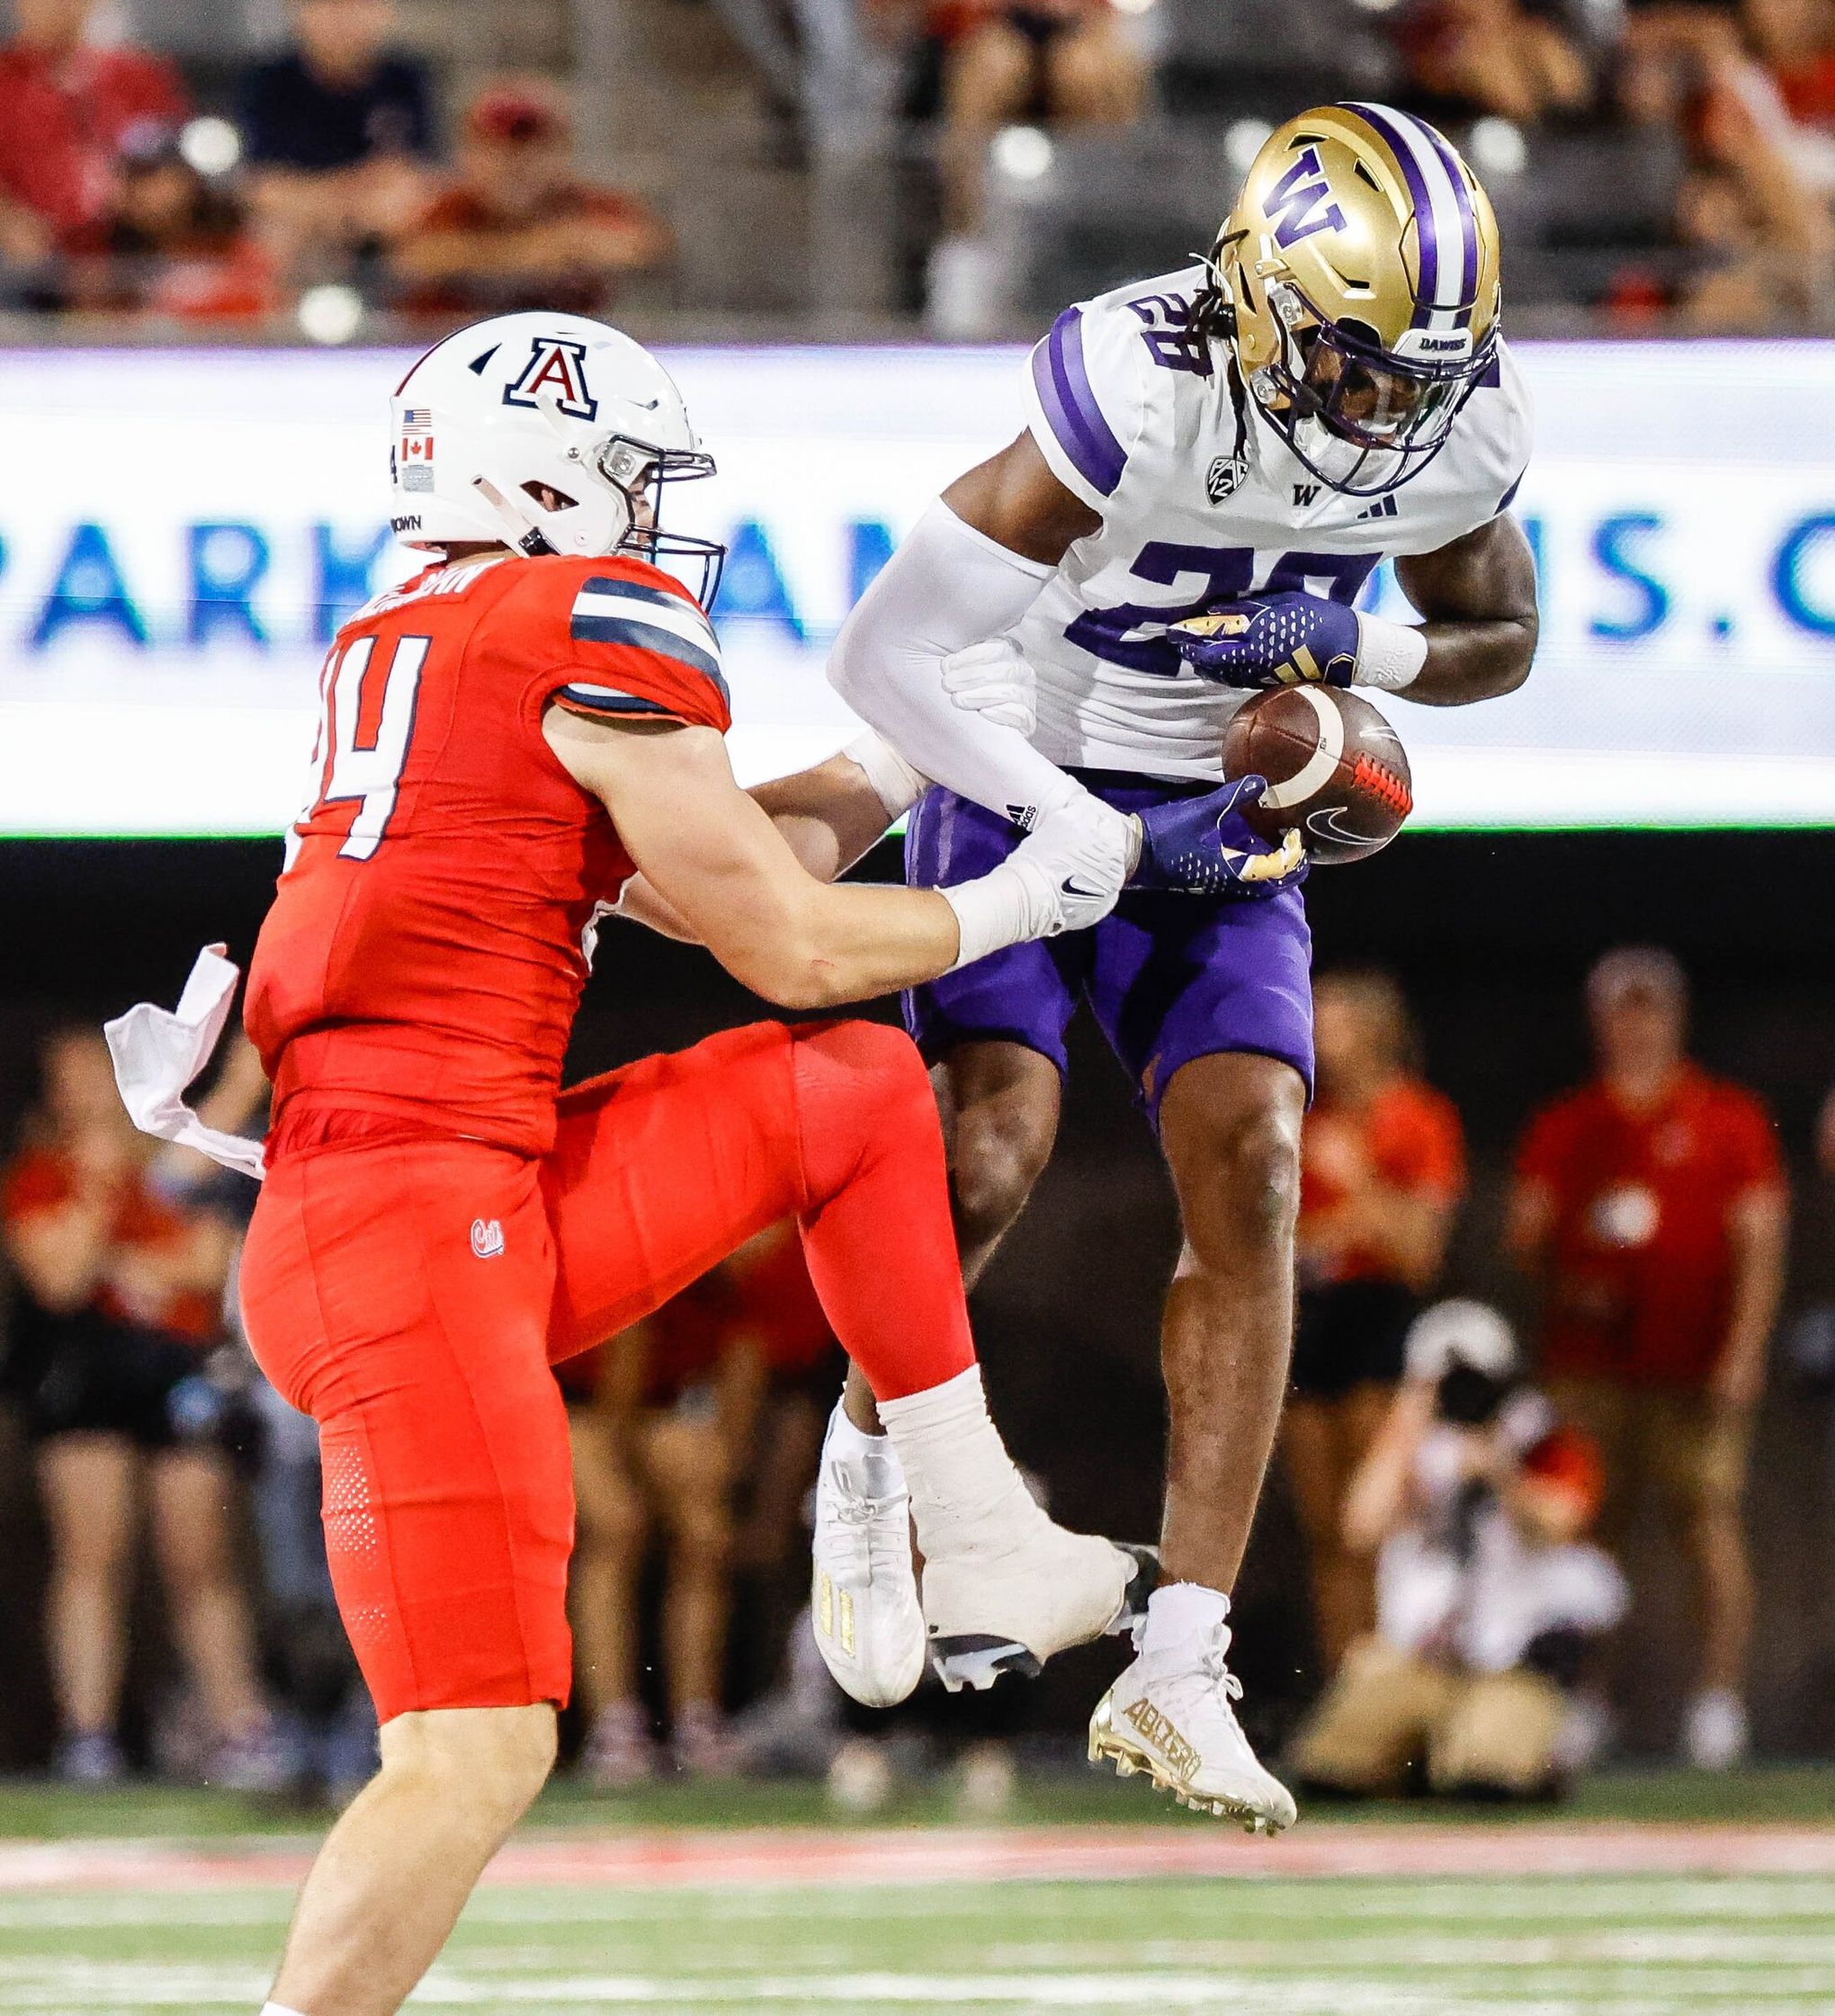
(639, 472)
(1362, 418)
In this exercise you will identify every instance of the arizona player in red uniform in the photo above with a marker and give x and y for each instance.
(505, 739)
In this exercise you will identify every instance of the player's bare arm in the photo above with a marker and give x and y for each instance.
(1478, 597)
(828, 816)
(718, 860)
(831, 815)
(1013, 500)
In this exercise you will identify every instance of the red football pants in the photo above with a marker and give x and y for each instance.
(411, 1296)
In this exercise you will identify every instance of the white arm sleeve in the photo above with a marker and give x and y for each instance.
(946, 588)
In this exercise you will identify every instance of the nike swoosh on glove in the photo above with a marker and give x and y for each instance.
(1082, 849)
(1272, 641)
(1205, 847)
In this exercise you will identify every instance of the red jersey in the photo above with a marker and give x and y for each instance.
(1408, 1138)
(43, 1180)
(432, 930)
(1640, 1262)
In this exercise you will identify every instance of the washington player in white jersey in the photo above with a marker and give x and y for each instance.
(1213, 464)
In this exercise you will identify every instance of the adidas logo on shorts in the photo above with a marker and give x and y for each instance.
(486, 1237)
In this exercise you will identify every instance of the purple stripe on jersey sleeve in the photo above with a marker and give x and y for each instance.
(1374, 117)
(1062, 376)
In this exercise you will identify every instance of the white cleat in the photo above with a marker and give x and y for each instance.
(863, 1607)
(1011, 1601)
(1172, 1715)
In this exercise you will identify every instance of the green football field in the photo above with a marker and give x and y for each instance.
(1667, 1897)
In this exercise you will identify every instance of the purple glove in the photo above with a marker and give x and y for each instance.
(1272, 641)
(1205, 847)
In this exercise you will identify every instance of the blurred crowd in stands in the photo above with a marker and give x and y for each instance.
(1657, 163)
(1466, 1497)
(327, 166)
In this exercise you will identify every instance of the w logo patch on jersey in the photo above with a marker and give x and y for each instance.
(556, 370)
(1302, 203)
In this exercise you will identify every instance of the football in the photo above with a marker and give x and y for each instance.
(1336, 769)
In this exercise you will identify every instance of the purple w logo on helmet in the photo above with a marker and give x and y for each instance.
(1296, 199)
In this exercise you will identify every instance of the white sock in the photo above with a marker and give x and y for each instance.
(845, 1439)
(1179, 1612)
(277, 2009)
(956, 1466)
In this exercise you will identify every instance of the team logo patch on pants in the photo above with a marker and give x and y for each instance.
(486, 1237)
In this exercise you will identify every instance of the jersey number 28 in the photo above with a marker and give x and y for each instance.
(365, 728)
(1134, 633)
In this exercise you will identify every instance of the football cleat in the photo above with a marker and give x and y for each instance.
(1172, 1715)
(1009, 1605)
(863, 1607)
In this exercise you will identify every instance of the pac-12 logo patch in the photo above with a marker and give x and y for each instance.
(486, 1237)
(557, 369)
(1225, 478)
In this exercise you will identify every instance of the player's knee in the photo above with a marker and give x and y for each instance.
(863, 1083)
(999, 1155)
(483, 1765)
(1239, 1183)
(874, 1054)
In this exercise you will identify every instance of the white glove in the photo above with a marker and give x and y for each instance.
(1065, 876)
(993, 679)
(1089, 850)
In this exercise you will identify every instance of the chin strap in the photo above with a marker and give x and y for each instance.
(531, 541)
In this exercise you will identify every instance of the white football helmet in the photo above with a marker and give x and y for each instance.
(549, 434)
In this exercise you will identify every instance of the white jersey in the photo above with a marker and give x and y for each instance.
(1136, 416)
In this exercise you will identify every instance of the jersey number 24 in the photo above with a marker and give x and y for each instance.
(365, 728)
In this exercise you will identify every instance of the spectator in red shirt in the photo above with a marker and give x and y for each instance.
(1383, 1167)
(1651, 1205)
(517, 228)
(66, 111)
(118, 1300)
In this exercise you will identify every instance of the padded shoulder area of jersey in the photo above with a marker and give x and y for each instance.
(617, 637)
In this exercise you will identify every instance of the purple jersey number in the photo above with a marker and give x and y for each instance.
(1227, 572)
(1170, 339)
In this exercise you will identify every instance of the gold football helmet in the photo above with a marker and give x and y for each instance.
(1357, 280)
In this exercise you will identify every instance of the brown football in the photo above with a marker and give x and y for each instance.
(1336, 769)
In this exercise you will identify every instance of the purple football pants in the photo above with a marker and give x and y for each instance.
(1169, 977)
